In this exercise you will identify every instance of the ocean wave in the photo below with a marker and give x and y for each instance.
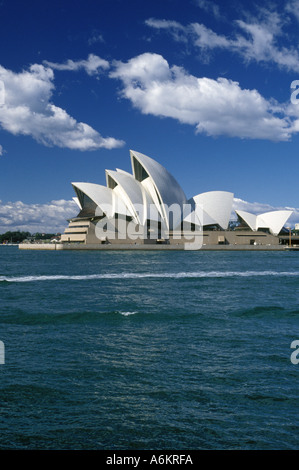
(179, 275)
(127, 314)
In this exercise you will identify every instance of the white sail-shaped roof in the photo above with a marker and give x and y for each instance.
(217, 207)
(248, 218)
(76, 200)
(119, 170)
(104, 198)
(132, 193)
(212, 208)
(162, 187)
(274, 220)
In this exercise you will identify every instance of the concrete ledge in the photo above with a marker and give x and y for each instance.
(244, 247)
(126, 247)
(41, 246)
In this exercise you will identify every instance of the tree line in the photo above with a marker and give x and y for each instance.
(19, 237)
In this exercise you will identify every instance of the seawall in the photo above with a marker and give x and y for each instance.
(81, 247)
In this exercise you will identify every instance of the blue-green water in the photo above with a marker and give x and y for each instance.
(139, 350)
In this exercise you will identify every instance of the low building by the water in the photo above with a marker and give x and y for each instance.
(149, 207)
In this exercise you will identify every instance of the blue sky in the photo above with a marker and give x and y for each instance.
(202, 86)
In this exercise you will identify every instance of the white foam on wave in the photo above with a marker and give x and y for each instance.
(127, 314)
(179, 275)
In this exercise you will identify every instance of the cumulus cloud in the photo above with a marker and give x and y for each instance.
(93, 65)
(214, 107)
(256, 39)
(28, 110)
(49, 218)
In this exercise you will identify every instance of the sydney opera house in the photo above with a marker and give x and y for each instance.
(149, 207)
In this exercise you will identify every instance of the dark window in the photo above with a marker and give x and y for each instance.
(139, 171)
(111, 182)
(88, 206)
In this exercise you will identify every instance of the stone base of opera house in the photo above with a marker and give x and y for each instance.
(207, 240)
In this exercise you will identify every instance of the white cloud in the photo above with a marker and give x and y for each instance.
(256, 39)
(95, 37)
(92, 66)
(214, 107)
(206, 38)
(1, 150)
(177, 30)
(28, 110)
(260, 42)
(210, 7)
(164, 24)
(49, 218)
(293, 7)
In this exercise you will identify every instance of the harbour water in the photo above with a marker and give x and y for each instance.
(148, 350)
